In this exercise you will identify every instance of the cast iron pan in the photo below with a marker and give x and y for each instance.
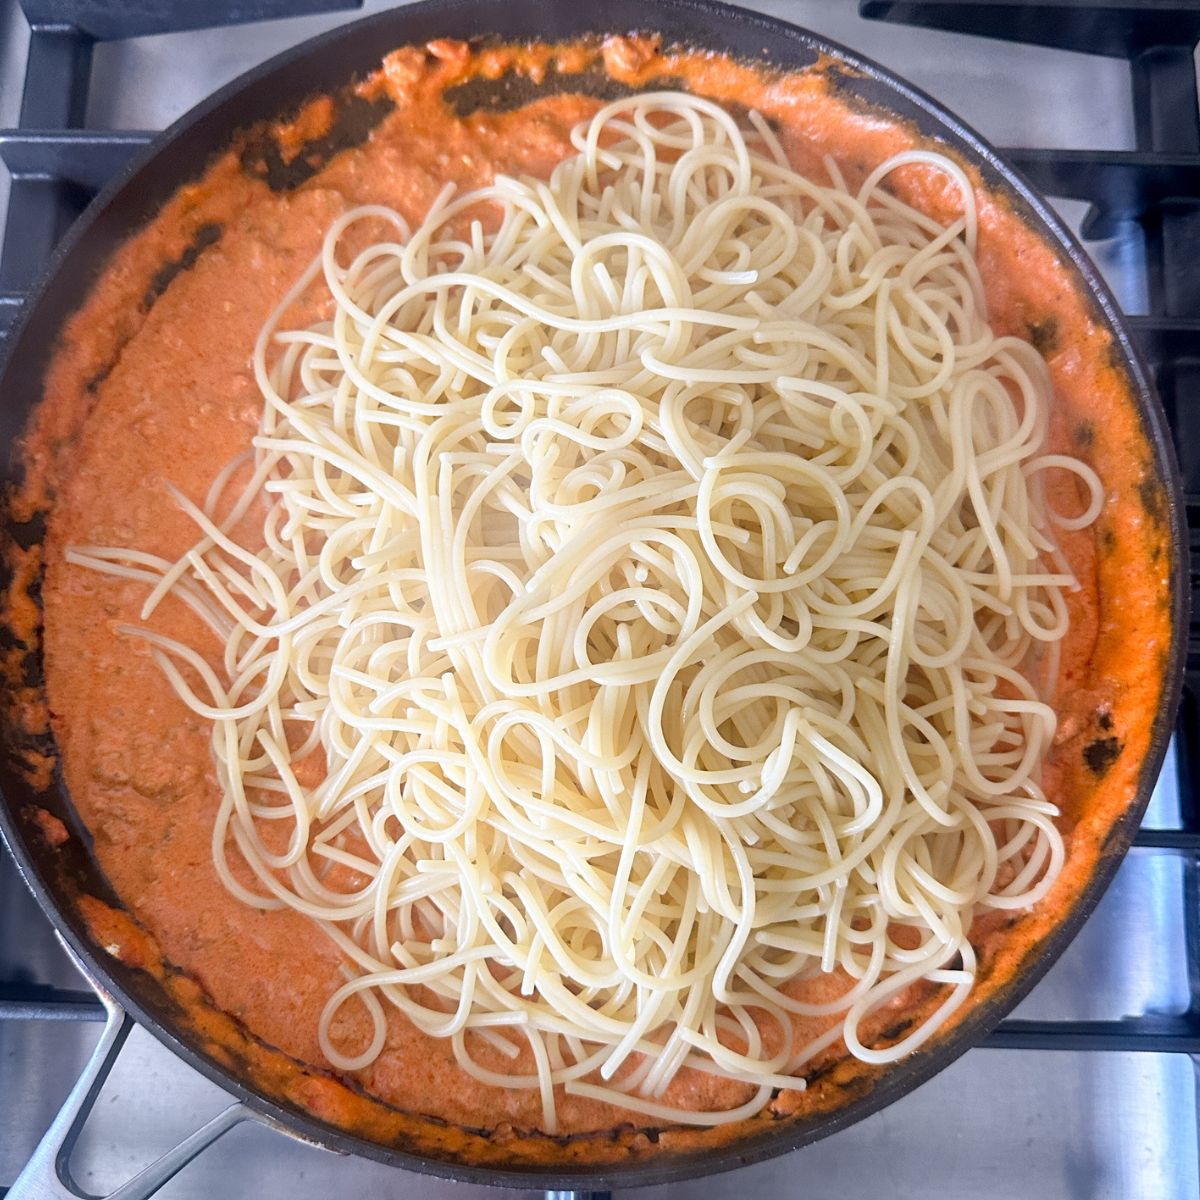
(326, 64)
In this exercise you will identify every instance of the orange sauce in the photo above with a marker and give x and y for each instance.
(152, 383)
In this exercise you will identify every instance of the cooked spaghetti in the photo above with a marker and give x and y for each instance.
(656, 569)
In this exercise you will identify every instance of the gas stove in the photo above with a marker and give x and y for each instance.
(1090, 1088)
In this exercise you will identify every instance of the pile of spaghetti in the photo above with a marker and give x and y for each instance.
(656, 568)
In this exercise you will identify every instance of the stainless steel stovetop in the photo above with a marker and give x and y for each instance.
(1002, 1122)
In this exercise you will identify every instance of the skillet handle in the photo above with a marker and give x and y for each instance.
(47, 1175)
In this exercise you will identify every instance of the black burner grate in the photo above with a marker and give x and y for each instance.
(57, 165)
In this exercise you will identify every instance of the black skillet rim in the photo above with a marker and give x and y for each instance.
(787, 46)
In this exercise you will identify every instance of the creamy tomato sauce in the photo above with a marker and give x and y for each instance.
(152, 384)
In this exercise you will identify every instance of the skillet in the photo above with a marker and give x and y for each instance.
(326, 64)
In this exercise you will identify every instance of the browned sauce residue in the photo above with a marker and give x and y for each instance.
(148, 388)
